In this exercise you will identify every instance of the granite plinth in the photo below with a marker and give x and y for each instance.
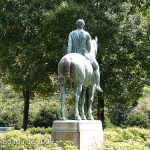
(85, 134)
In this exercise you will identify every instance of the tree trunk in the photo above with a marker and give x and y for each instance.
(26, 96)
(100, 108)
(87, 98)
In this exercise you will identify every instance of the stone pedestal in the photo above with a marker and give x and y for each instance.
(85, 134)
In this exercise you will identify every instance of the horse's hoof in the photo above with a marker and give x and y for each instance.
(83, 118)
(62, 118)
(90, 118)
(98, 88)
(77, 118)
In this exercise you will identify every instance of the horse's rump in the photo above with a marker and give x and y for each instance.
(75, 66)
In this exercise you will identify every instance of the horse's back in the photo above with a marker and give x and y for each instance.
(76, 59)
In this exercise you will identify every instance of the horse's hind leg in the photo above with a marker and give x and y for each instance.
(62, 98)
(82, 99)
(90, 102)
(77, 95)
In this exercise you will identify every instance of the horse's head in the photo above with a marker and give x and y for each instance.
(94, 47)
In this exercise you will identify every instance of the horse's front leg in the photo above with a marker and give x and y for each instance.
(62, 98)
(90, 102)
(77, 95)
(82, 99)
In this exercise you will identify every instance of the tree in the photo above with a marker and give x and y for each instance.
(24, 63)
(124, 46)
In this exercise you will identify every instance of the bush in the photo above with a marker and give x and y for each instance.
(40, 130)
(131, 138)
(107, 122)
(11, 116)
(117, 113)
(11, 107)
(137, 118)
(47, 115)
(20, 140)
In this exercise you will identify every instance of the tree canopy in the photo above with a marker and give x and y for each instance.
(34, 34)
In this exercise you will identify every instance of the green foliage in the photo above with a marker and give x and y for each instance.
(107, 122)
(140, 116)
(137, 118)
(20, 140)
(11, 119)
(126, 57)
(68, 145)
(24, 61)
(123, 38)
(117, 113)
(40, 130)
(130, 139)
(115, 138)
(146, 91)
(47, 115)
(33, 38)
(58, 23)
(144, 105)
(11, 107)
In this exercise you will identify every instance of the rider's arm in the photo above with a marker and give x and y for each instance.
(69, 48)
(88, 43)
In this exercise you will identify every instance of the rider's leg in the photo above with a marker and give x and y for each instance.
(97, 75)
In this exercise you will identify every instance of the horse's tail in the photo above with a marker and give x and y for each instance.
(67, 64)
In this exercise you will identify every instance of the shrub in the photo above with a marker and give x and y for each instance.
(117, 113)
(137, 118)
(47, 115)
(20, 140)
(107, 122)
(131, 138)
(40, 130)
(11, 118)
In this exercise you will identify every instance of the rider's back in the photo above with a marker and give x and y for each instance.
(79, 42)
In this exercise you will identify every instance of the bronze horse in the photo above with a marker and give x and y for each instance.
(78, 69)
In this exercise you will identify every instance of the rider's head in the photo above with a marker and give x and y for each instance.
(80, 23)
